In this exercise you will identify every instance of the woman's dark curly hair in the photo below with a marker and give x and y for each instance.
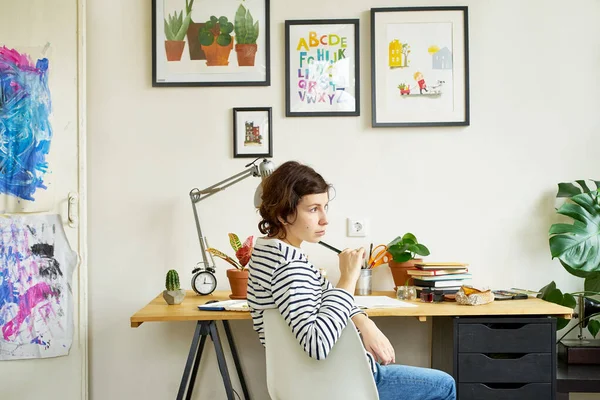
(282, 192)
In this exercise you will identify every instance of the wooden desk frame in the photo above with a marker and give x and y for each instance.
(158, 311)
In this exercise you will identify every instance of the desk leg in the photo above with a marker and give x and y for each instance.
(236, 359)
(196, 364)
(214, 335)
(190, 360)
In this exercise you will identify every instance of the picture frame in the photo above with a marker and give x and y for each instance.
(322, 68)
(420, 66)
(210, 43)
(252, 132)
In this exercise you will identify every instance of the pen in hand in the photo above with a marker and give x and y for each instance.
(329, 247)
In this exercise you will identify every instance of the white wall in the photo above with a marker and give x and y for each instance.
(483, 194)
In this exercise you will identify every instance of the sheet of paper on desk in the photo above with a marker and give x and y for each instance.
(379, 302)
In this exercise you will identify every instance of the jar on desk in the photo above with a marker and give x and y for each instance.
(406, 293)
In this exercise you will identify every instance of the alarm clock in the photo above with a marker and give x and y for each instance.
(204, 282)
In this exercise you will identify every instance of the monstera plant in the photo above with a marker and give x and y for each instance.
(577, 246)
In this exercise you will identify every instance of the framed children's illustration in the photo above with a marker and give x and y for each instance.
(252, 132)
(322, 68)
(419, 66)
(210, 43)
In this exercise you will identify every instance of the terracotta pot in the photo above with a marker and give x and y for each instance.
(238, 281)
(196, 52)
(217, 55)
(399, 271)
(174, 49)
(246, 54)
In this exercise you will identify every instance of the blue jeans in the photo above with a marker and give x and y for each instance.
(402, 382)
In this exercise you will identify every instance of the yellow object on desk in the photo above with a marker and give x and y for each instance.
(378, 257)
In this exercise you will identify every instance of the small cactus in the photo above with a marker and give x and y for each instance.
(172, 281)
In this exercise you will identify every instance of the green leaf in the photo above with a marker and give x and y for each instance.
(249, 24)
(235, 242)
(393, 242)
(223, 39)
(577, 246)
(583, 186)
(180, 35)
(168, 34)
(402, 257)
(567, 190)
(569, 300)
(594, 327)
(592, 283)
(409, 236)
(240, 25)
(546, 289)
(254, 36)
(561, 323)
(422, 250)
(206, 38)
(555, 296)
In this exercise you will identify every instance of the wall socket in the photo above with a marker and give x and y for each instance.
(357, 227)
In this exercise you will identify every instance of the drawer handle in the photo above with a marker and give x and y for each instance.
(495, 386)
(501, 325)
(504, 356)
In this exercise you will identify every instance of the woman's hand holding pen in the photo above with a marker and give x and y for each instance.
(350, 265)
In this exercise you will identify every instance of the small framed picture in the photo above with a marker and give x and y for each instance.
(419, 66)
(252, 132)
(210, 43)
(322, 68)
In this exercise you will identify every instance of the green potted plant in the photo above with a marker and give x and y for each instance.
(404, 250)
(246, 33)
(173, 294)
(176, 26)
(576, 247)
(216, 41)
(238, 276)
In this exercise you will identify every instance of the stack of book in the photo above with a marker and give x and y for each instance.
(445, 276)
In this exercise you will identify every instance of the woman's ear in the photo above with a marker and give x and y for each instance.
(282, 220)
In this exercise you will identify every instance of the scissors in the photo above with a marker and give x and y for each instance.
(379, 257)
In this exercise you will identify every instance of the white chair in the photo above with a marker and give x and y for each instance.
(293, 375)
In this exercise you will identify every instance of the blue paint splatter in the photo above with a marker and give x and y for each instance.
(25, 131)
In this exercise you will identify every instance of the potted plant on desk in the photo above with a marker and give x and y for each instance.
(173, 294)
(238, 276)
(404, 249)
(576, 247)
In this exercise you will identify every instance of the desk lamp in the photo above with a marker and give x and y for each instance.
(203, 279)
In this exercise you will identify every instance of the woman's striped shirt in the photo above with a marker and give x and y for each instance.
(281, 277)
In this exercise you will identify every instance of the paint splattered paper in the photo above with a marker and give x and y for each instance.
(25, 132)
(36, 300)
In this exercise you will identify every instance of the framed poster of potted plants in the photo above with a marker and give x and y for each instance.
(209, 43)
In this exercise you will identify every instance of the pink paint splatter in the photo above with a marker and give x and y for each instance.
(32, 297)
(20, 60)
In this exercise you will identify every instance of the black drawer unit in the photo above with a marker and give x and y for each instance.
(497, 358)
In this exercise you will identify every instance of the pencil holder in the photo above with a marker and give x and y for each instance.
(363, 285)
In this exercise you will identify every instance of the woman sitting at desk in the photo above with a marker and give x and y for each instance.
(293, 210)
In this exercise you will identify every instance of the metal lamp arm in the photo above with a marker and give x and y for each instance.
(197, 195)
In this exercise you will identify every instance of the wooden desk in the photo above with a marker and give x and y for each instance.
(158, 311)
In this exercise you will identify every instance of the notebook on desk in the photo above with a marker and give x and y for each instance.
(226, 305)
